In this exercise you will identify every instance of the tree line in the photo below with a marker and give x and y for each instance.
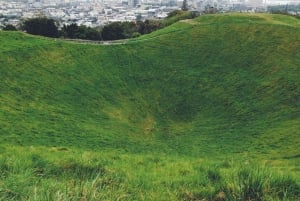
(113, 31)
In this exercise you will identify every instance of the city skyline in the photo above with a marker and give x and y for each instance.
(91, 1)
(95, 13)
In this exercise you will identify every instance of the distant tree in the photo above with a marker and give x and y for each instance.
(194, 14)
(175, 13)
(130, 29)
(113, 31)
(41, 26)
(93, 34)
(81, 32)
(70, 31)
(9, 27)
(149, 26)
(135, 35)
(184, 5)
(210, 10)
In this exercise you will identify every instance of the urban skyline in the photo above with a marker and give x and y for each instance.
(94, 13)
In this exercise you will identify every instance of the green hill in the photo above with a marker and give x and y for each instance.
(215, 88)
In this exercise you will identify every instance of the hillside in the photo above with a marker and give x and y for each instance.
(211, 87)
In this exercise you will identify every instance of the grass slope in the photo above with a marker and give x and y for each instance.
(213, 88)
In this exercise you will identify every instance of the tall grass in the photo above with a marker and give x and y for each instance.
(247, 182)
(50, 174)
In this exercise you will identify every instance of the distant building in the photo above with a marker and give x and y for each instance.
(255, 3)
(135, 3)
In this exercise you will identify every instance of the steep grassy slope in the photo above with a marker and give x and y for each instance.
(218, 80)
(219, 86)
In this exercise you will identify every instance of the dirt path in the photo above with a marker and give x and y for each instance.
(190, 21)
(95, 42)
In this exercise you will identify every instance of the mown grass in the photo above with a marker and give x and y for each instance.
(203, 109)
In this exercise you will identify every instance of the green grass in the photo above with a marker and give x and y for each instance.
(39, 173)
(184, 113)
